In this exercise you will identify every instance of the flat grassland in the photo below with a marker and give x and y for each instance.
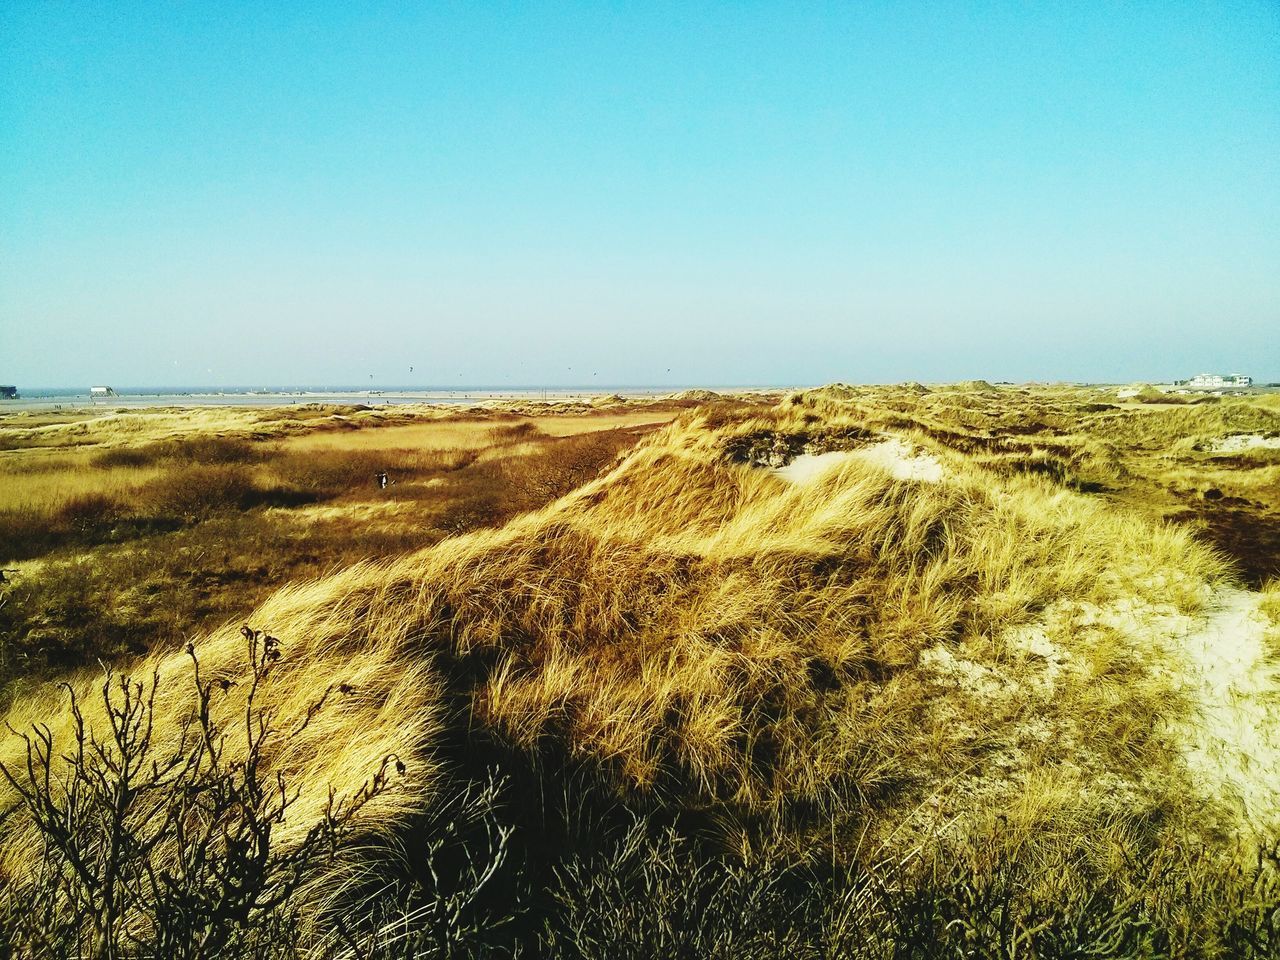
(124, 530)
(856, 671)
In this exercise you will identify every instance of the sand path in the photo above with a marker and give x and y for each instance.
(1232, 744)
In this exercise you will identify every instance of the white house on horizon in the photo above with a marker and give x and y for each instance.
(1216, 381)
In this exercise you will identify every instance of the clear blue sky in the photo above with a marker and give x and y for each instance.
(222, 193)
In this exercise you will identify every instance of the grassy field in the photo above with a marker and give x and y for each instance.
(857, 671)
(146, 527)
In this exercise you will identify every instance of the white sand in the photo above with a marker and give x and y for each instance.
(1233, 741)
(902, 461)
(808, 466)
(1230, 737)
(896, 456)
(1243, 441)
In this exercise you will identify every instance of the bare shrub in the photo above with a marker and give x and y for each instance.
(168, 852)
(210, 449)
(206, 449)
(451, 896)
(481, 503)
(140, 455)
(24, 532)
(333, 473)
(561, 466)
(514, 432)
(329, 472)
(491, 492)
(197, 491)
(30, 531)
(87, 512)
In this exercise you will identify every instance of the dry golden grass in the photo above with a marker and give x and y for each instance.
(122, 426)
(1271, 600)
(1269, 606)
(393, 709)
(567, 425)
(67, 460)
(91, 427)
(45, 482)
(901, 659)
(112, 547)
(25, 431)
(445, 434)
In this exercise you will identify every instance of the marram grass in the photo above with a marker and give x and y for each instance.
(892, 666)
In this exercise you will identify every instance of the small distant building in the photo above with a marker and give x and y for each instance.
(1217, 381)
(8, 393)
(101, 393)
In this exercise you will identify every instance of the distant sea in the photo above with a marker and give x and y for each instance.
(202, 396)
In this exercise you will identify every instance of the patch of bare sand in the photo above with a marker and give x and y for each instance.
(1000, 711)
(1232, 741)
(896, 456)
(1239, 442)
(1229, 736)
(1221, 668)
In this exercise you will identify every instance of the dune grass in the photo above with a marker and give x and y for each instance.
(114, 547)
(858, 667)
